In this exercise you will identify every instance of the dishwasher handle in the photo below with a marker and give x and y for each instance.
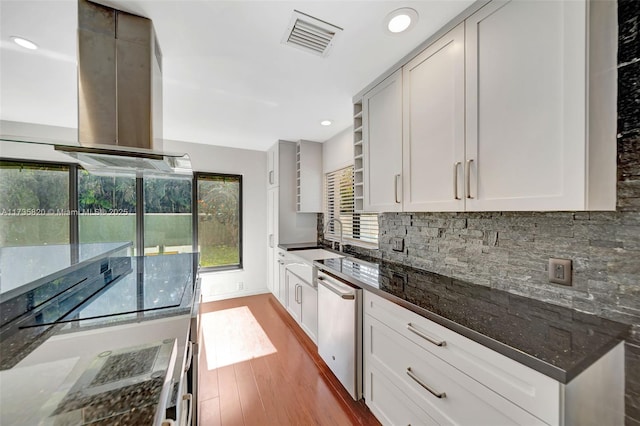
(330, 286)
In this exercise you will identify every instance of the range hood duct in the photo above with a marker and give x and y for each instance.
(120, 95)
(119, 79)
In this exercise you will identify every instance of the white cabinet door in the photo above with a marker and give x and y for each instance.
(272, 238)
(281, 292)
(526, 105)
(309, 314)
(433, 135)
(293, 296)
(272, 166)
(382, 143)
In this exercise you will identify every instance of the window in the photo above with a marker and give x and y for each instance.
(168, 224)
(45, 204)
(34, 204)
(106, 208)
(358, 228)
(219, 226)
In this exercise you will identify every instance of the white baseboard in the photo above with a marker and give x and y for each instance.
(233, 295)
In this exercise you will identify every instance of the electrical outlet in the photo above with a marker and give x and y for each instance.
(398, 243)
(240, 285)
(560, 271)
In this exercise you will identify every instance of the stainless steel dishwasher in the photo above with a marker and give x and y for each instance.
(340, 331)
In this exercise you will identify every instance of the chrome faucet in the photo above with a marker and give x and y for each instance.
(327, 227)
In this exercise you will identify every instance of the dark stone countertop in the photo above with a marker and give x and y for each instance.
(553, 340)
(298, 246)
(82, 305)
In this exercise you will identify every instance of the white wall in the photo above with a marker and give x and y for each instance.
(252, 165)
(337, 152)
(32, 151)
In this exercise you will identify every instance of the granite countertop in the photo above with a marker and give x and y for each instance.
(101, 303)
(298, 246)
(554, 340)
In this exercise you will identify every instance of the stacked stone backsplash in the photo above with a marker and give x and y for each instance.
(510, 250)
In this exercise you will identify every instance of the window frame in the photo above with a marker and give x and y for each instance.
(194, 209)
(72, 195)
(332, 235)
(74, 168)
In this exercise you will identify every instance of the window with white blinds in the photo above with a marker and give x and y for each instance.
(358, 228)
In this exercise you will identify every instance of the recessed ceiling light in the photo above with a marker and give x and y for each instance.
(401, 20)
(23, 42)
(325, 122)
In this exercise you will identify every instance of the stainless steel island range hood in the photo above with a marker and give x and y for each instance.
(120, 95)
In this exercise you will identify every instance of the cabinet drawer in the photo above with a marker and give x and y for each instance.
(445, 393)
(390, 405)
(533, 391)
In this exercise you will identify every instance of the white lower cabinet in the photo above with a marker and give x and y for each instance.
(302, 304)
(280, 281)
(441, 377)
(309, 310)
(293, 305)
(447, 394)
(388, 404)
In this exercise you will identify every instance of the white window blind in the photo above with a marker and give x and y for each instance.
(358, 228)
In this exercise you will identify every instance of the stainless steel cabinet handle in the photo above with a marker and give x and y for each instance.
(271, 240)
(455, 180)
(414, 330)
(396, 188)
(467, 173)
(326, 284)
(298, 297)
(418, 381)
(271, 177)
(188, 397)
(187, 364)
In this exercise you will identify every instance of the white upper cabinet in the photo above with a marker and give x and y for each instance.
(513, 109)
(433, 135)
(382, 145)
(526, 116)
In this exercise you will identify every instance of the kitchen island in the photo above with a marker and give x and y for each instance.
(105, 340)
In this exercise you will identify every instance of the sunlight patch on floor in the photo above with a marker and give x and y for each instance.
(232, 336)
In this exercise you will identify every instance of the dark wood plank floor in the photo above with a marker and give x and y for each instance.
(257, 367)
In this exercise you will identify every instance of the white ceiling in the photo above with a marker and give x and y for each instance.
(228, 79)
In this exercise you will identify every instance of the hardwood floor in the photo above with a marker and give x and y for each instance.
(257, 367)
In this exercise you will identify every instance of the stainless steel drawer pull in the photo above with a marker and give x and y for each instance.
(327, 284)
(467, 173)
(418, 381)
(414, 330)
(396, 177)
(187, 365)
(455, 181)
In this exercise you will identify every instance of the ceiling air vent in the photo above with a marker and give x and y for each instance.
(310, 34)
